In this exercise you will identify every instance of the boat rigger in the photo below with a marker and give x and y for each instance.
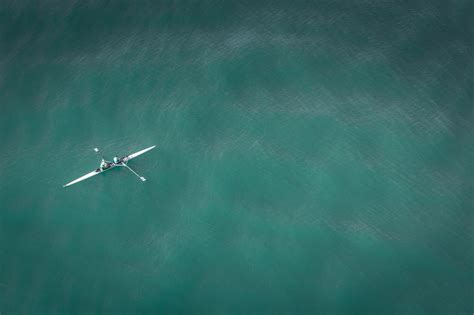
(107, 165)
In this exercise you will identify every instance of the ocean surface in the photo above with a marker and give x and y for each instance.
(313, 157)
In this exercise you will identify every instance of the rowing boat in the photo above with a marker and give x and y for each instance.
(108, 165)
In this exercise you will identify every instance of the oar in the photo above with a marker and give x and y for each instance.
(141, 177)
(97, 151)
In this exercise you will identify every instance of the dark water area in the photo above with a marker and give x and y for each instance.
(312, 157)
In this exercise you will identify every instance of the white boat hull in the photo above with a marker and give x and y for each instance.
(110, 165)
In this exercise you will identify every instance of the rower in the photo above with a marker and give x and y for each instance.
(103, 165)
(116, 160)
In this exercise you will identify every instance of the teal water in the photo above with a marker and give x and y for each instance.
(313, 157)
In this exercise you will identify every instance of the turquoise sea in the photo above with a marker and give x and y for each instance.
(313, 157)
